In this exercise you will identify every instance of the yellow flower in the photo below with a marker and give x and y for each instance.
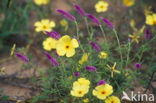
(137, 31)
(67, 46)
(80, 87)
(129, 3)
(102, 91)
(101, 6)
(112, 99)
(2, 71)
(64, 23)
(44, 25)
(86, 100)
(49, 44)
(135, 38)
(103, 55)
(151, 19)
(84, 58)
(132, 24)
(12, 49)
(41, 2)
(70, 77)
(79, 90)
(82, 81)
(113, 69)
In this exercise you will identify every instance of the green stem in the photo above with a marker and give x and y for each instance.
(77, 29)
(129, 48)
(144, 44)
(121, 57)
(105, 40)
(86, 21)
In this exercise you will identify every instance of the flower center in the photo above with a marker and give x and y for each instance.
(103, 92)
(154, 22)
(67, 47)
(49, 44)
(112, 101)
(44, 26)
(134, 37)
(80, 92)
(112, 69)
(101, 6)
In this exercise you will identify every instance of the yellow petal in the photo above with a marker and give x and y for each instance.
(117, 71)
(114, 65)
(70, 52)
(94, 92)
(38, 29)
(60, 49)
(65, 38)
(109, 66)
(52, 24)
(74, 43)
(37, 24)
(112, 74)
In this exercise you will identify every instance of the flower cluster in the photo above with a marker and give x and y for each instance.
(64, 45)
(102, 91)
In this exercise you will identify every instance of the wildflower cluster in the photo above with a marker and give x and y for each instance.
(85, 70)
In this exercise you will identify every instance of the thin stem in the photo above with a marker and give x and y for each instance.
(105, 40)
(86, 21)
(129, 48)
(121, 57)
(77, 29)
(144, 44)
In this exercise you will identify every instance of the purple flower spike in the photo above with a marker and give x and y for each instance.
(80, 10)
(22, 57)
(95, 46)
(109, 24)
(53, 34)
(147, 35)
(94, 19)
(66, 14)
(138, 65)
(77, 74)
(102, 82)
(51, 59)
(90, 68)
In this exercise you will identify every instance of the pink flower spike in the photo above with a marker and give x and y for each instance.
(138, 65)
(95, 46)
(109, 24)
(102, 82)
(90, 68)
(147, 34)
(94, 19)
(66, 14)
(80, 10)
(53, 34)
(77, 74)
(22, 57)
(51, 59)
